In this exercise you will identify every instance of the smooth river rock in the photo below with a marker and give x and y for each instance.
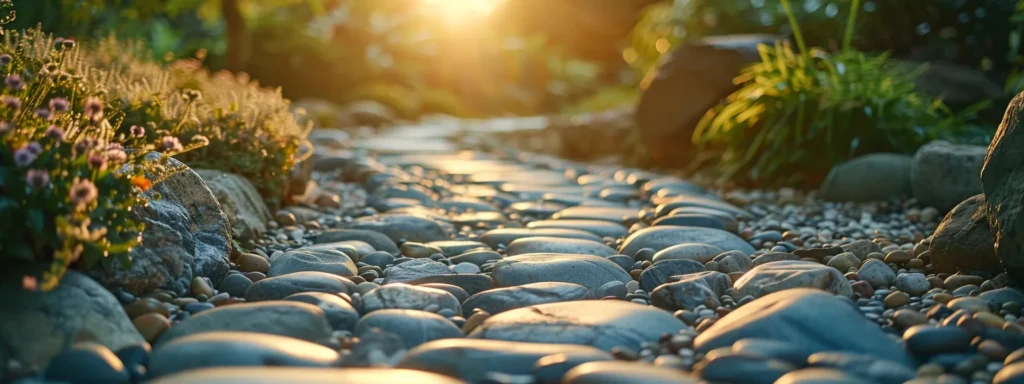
(586, 270)
(782, 275)
(661, 237)
(413, 327)
(812, 319)
(237, 349)
(472, 359)
(312, 259)
(557, 245)
(603, 324)
(505, 299)
(285, 318)
(506, 236)
(36, 325)
(279, 287)
(404, 296)
(305, 376)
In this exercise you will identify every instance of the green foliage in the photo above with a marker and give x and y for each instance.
(608, 98)
(250, 130)
(798, 113)
(68, 181)
(972, 33)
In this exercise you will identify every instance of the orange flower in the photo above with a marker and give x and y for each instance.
(29, 283)
(142, 183)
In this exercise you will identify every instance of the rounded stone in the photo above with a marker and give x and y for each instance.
(586, 270)
(661, 237)
(339, 312)
(151, 325)
(237, 349)
(86, 363)
(603, 324)
(413, 327)
(499, 300)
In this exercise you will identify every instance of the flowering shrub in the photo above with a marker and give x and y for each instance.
(250, 130)
(68, 180)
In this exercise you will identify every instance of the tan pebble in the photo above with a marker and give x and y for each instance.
(474, 321)
(146, 305)
(250, 262)
(183, 301)
(1010, 326)
(228, 301)
(876, 255)
(915, 263)
(942, 298)
(852, 276)
(930, 370)
(151, 325)
(896, 299)
(990, 319)
(907, 318)
(160, 295)
(201, 287)
(736, 275)
(898, 257)
(936, 282)
(992, 350)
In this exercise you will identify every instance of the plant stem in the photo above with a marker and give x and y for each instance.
(796, 28)
(851, 23)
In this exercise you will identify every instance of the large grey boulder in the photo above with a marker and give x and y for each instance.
(1003, 180)
(693, 78)
(945, 174)
(35, 325)
(240, 201)
(964, 241)
(187, 235)
(872, 177)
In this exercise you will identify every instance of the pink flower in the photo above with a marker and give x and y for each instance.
(117, 156)
(35, 148)
(60, 104)
(37, 178)
(14, 82)
(138, 131)
(55, 133)
(94, 109)
(24, 156)
(83, 193)
(10, 102)
(171, 144)
(43, 113)
(97, 161)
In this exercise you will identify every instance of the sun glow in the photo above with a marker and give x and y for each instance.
(461, 11)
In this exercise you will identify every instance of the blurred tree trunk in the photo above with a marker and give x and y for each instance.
(237, 36)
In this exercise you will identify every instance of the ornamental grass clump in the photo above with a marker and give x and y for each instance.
(250, 130)
(798, 113)
(68, 180)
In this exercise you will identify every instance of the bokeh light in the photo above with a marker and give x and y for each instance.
(461, 11)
